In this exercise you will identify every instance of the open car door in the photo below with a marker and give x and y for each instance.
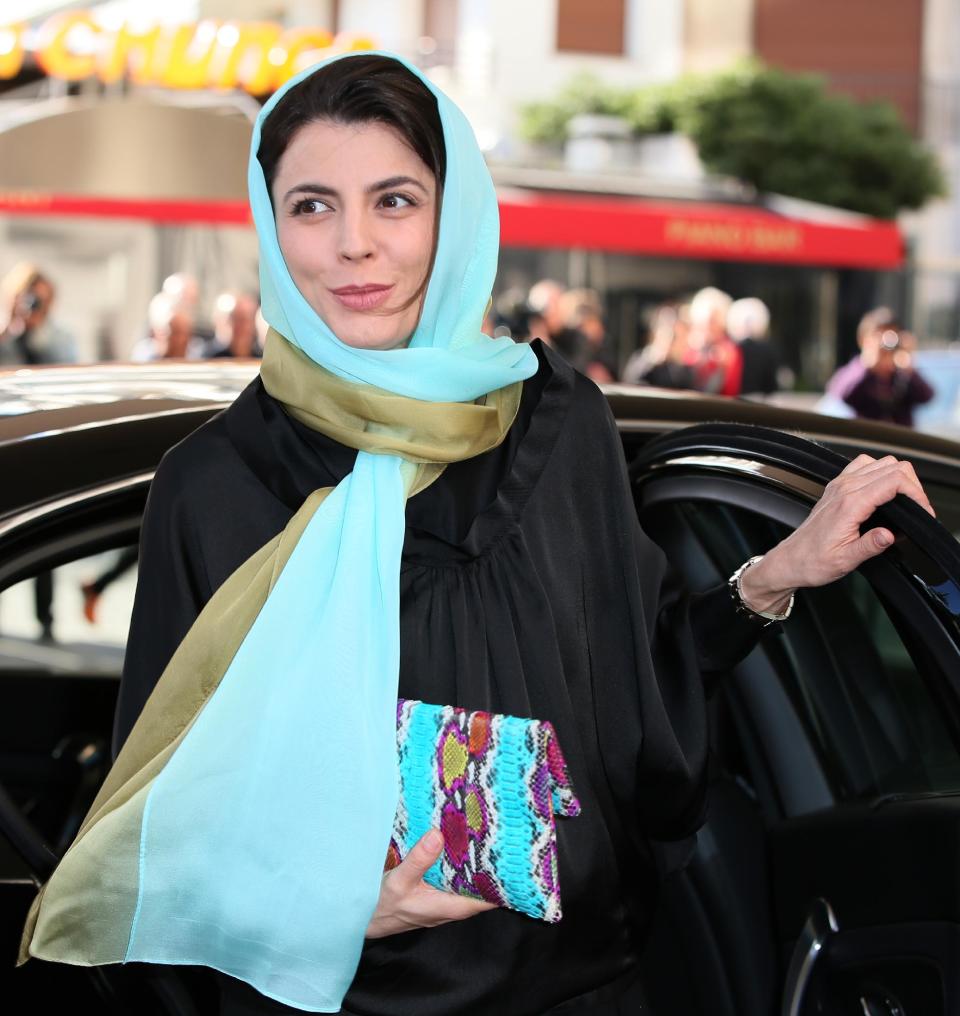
(827, 877)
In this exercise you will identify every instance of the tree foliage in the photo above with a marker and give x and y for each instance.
(546, 122)
(779, 131)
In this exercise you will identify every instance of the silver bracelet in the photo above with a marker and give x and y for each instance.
(764, 618)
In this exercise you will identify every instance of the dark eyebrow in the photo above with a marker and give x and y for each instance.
(320, 190)
(395, 181)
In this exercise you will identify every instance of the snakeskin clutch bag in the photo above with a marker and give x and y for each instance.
(493, 785)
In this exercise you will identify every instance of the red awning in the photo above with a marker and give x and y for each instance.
(713, 232)
(163, 211)
(541, 219)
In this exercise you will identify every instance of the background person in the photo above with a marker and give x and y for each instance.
(234, 327)
(716, 359)
(28, 333)
(29, 336)
(92, 591)
(590, 352)
(748, 324)
(511, 315)
(170, 332)
(881, 383)
(543, 301)
(665, 360)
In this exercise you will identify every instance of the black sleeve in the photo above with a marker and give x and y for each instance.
(658, 648)
(723, 636)
(172, 588)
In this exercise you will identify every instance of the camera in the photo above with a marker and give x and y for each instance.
(890, 340)
(30, 302)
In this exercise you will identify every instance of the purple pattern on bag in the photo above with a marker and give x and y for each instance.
(493, 785)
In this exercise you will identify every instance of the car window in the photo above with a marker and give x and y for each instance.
(946, 503)
(62, 638)
(73, 618)
(850, 675)
(942, 414)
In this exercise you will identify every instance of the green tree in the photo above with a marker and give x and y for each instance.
(779, 131)
(546, 122)
(785, 133)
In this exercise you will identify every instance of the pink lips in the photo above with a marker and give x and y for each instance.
(362, 297)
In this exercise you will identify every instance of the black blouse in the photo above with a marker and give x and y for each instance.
(528, 588)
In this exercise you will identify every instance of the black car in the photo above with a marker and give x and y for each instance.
(827, 877)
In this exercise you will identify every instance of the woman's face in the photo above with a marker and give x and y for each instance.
(355, 209)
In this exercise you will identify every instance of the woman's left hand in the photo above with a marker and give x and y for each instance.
(828, 544)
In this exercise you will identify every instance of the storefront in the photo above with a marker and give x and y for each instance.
(138, 170)
(125, 159)
(817, 269)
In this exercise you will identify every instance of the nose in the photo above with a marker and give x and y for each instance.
(356, 239)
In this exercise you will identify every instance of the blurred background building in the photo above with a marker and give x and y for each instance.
(123, 152)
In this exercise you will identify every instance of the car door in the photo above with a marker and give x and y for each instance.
(827, 878)
(55, 727)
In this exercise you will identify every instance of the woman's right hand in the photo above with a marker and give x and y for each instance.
(407, 902)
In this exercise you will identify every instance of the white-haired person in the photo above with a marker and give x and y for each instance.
(170, 334)
(234, 326)
(715, 357)
(748, 324)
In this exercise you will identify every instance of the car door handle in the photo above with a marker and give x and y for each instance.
(820, 924)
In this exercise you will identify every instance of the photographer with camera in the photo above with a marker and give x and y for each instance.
(881, 382)
(27, 335)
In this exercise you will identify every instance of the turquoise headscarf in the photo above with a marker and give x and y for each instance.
(448, 359)
(291, 921)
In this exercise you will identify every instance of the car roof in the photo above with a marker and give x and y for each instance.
(35, 400)
(71, 427)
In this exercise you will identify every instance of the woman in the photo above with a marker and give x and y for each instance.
(480, 549)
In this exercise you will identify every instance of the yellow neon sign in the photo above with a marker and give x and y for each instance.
(11, 51)
(255, 56)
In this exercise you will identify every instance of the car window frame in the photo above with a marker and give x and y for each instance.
(901, 594)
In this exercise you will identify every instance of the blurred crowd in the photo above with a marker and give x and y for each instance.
(715, 344)
(173, 326)
(30, 335)
(711, 343)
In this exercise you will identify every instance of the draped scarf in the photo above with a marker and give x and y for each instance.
(245, 823)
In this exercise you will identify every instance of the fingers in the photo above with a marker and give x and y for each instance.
(865, 474)
(880, 487)
(870, 545)
(875, 492)
(885, 485)
(435, 907)
(856, 465)
(409, 873)
(406, 902)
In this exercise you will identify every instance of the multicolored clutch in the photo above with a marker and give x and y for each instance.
(492, 785)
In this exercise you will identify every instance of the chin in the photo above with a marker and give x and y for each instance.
(392, 330)
(362, 340)
(369, 332)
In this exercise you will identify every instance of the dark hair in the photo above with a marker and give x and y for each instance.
(358, 89)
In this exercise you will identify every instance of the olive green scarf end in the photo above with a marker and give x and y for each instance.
(427, 435)
(95, 881)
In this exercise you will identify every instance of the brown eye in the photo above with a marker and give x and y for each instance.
(394, 201)
(309, 206)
